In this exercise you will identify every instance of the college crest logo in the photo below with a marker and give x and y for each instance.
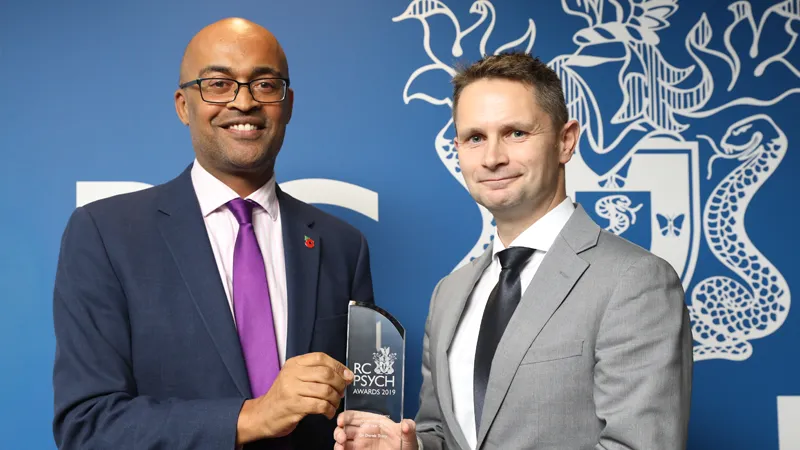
(637, 169)
(384, 361)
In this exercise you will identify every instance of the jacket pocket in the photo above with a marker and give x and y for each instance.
(561, 350)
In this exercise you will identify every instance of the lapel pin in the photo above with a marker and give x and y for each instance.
(309, 242)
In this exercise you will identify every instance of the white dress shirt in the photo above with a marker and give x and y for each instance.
(222, 227)
(461, 357)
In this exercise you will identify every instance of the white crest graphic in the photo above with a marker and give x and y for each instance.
(384, 361)
(637, 168)
(619, 212)
(725, 313)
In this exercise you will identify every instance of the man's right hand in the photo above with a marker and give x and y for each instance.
(313, 383)
(360, 430)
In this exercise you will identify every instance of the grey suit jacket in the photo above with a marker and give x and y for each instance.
(598, 354)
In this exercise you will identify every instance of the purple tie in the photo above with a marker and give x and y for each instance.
(251, 303)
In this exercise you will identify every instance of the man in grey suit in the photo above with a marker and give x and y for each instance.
(561, 335)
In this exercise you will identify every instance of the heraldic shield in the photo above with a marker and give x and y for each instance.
(656, 205)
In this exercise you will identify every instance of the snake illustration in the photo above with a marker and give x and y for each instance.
(617, 209)
(726, 313)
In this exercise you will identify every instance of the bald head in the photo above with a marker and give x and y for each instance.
(230, 35)
(238, 139)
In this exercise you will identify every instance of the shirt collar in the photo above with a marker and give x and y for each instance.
(213, 194)
(543, 232)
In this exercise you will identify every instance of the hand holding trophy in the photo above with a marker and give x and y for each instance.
(359, 430)
(373, 402)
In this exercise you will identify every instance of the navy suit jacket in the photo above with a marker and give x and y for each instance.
(147, 354)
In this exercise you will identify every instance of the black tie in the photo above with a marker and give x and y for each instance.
(500, 307)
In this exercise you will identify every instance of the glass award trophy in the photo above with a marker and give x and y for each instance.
(376, 356)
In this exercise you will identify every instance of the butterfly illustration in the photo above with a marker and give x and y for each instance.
(670, 225)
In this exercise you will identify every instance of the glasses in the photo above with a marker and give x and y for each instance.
(225, 90)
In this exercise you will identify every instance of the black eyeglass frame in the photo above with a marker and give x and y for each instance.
(239, 85)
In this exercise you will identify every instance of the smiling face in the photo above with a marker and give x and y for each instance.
(511, 153)
(243, 136)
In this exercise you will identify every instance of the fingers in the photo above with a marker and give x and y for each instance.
(363, 430)
(408, 438)
(323, 375)
(321, 359)
(347, 446)
(367, 436)
(360, 418)
(409, 428)
(348, 440)
(309, 405)
(320, 391)
(348, 433)
(344, 434)
(321, 368)
(314, 384)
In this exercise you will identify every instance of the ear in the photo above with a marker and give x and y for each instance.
(568, 140)
(181, 106)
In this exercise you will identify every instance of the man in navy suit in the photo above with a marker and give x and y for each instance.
(209, 312)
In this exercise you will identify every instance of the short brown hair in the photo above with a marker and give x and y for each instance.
(522, 67)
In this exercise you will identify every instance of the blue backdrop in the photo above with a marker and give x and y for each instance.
(688, 124)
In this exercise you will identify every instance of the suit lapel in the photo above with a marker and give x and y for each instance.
(455, 303)
(302, 272)
(554, 279)
(182, 227)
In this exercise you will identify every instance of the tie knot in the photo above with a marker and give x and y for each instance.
(513, 258)
(242, 210)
